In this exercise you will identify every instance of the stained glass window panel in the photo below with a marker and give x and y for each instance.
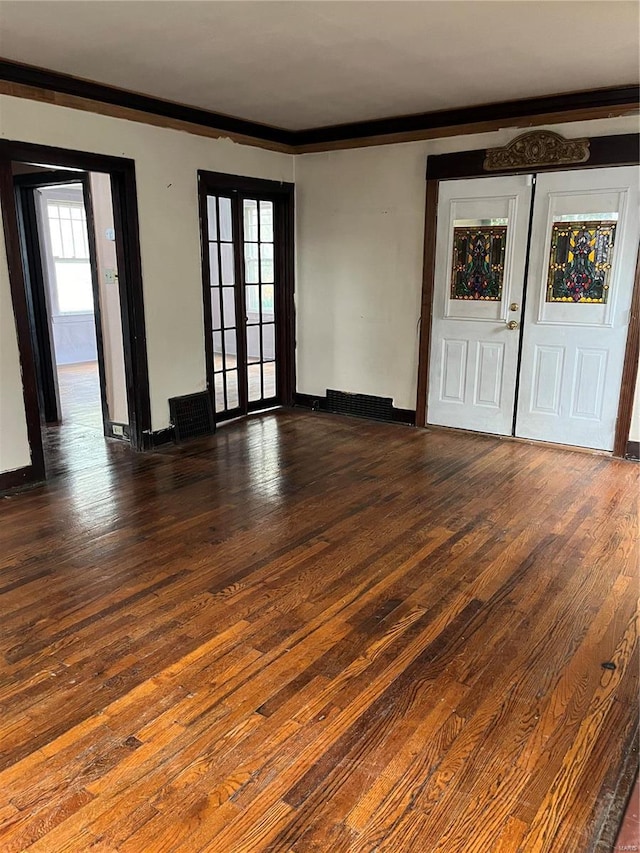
(477, 266)
(580, 260)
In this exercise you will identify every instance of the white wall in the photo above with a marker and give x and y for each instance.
(166, 165)
(360, 221)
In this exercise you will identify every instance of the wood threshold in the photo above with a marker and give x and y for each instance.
(591, 451)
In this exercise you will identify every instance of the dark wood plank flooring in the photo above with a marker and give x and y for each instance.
(311, 634)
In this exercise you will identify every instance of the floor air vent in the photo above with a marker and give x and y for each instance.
(360, 405)
(191, 415)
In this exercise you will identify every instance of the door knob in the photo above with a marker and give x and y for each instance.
(512, 324)
(514, 306)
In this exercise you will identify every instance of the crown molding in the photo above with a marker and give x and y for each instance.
(89, 90)
(27, 81)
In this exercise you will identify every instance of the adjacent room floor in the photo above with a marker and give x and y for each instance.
(311, 633)
(79, 386)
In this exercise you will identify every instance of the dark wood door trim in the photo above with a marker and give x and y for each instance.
(52, 177)
(36, 470)
(97, 308)
(282, 194)
(125, 217)
(605, 151)
(37, 303)
(629, 370)
(426, 310)
(206, 292)
(125, 209)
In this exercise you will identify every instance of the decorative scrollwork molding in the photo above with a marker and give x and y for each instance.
(535, 149)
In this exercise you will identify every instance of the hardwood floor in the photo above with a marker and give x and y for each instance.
(311, 634)
(79, 386)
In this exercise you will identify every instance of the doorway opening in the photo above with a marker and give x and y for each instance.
(71, 276)
(247, 262)
(71, 230)
(64, 249)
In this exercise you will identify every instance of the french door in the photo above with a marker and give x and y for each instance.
(531, 304)
(247, 243)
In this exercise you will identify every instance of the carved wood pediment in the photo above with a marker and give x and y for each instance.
(535, 149)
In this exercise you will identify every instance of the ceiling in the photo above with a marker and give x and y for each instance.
(308, 63)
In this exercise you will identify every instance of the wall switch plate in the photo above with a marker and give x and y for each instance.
(110, 276)
(117, 429)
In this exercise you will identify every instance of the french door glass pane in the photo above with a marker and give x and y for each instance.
(216, 320)
(212, 217)
(267, 302)
(251, 265)
(269, 379)
(217, 350)
(252, 296)
(218, 383)
(228, 272)
(233, 399)
(254, 373)
(268, 342)
(266, 221)
(253, 343)
(226, 229)
(266, 262)
(214, 272)
(229, 306)
(230, 359)
(250, 207)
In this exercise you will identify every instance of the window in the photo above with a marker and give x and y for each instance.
(70, 250)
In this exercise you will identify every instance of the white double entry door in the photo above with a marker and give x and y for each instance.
(532, 294)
